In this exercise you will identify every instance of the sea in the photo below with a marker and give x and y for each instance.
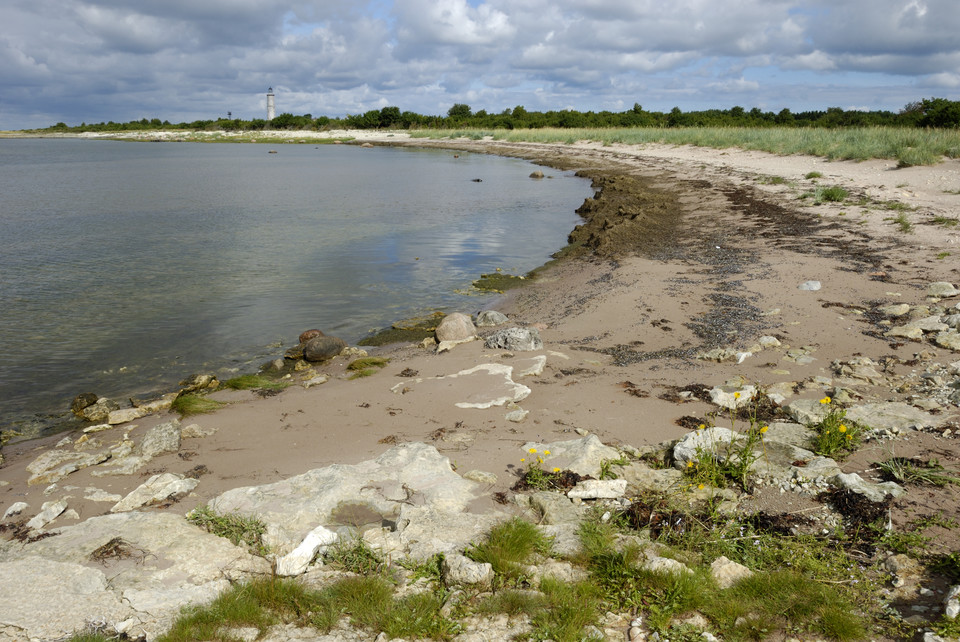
(126, 267)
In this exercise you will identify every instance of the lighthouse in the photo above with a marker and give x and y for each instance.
(271, 107)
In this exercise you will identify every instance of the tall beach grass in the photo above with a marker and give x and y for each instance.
(907, 146)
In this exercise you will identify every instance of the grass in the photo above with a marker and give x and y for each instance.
(812, 175)
(254, 382)
(913, 471)
(191, 404)
(355, 557)
(508, 547)
(902, 222)
(906, 146)
(239, 529)
(946, 221)
(826, 195)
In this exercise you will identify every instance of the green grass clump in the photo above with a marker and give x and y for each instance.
(946, 221)
(508, 546)
(191, 404)
(903, 222)
(233, 526)
(912, 471)
(355, 557)
(811, 175)
(254, 382)
(366, 366)
(826, 195)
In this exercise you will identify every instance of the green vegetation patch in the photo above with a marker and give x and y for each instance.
(498, 282)
(834, 436)
(239, 529)
(408, 331)
(254, 382)
(508, 546)
(191, 404)
(366, 366)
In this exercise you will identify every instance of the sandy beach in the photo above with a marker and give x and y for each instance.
(692, 249)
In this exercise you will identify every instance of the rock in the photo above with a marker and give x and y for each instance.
(727, 573)
(515, 339)
(54, 465)
(156, 489)
(942, 290)
(530, 367)
(410, 472)
(48, 512)
(807, 411)
(481, 477)
(161, 439)
(809, 286)
(124, 415)
(456, 327)
(733, 400)
(99, 412)
(789, 433)
(490, 318)
(536, 174)
(459, 570)
(15, 509)
(297, 561)
(769, 342)
(951, 603)
(81, 401)
(199, 382)
(306, 335)
(665, 565)
(555, 508)
(949, 339)
(651, 479)
(45, 599)
(195, 431)
(929, 324)
(860, 368)
(582, 456)
(517, 416)
(874, 492)
(892, 416)
(323, 348)
(895, 310)
(598, 489)
(905, 332)
(714, 440)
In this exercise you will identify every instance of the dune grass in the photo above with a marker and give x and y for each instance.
(907, 146)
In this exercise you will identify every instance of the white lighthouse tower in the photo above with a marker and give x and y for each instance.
(271, 107)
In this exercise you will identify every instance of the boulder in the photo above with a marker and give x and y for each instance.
(322, 348)
(99, 412)
(727, 573)
(894, 416)
(491, 318)
(297, 561)
(714, 440)
(160, 440)
(515, 339)
(874, 492)
(582, 456)
(942, 290)
(81, 401)
(459, 570)
(48, 512)
(54, 465)
(455, 327)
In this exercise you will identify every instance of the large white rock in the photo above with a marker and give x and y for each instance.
(874, 492)
(156, 489)
(461, 570)
(48, 512)
(407, 473)
(598, 489)
(583, 456)
(161, 439)
(893, 415)
(714, 440)
(54, 465)
(43, 599)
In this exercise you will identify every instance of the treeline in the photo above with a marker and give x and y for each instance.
(929, 112)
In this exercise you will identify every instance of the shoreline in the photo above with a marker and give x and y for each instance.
(627, 329)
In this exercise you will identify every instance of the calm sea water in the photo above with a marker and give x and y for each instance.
(125, 267)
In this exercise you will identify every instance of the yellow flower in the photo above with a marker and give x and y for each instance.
(700, 486)
(825, 400)
(843, 428)
(849, 437)
(546, 452)
(827, 433)
(539, 460)
(736, 395)
(532, 450)
(764, 429)
(523, 459)
(556, 470)
(701, 427)
(689, 464)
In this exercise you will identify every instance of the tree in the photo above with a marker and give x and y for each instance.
(389, 117)
(460, 111)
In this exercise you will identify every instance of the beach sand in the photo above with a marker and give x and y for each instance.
(718, 263)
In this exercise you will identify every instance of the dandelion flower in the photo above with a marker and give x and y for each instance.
(825, 400)
(523, 459)
(689, 464)
(764, 429)
(700, 486)
(842, 428)
(546, 452)
(532, 450)
(701, 427)
(736, 395)
(556, 470)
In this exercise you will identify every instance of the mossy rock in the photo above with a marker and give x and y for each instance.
(498, 282)
(406, 331)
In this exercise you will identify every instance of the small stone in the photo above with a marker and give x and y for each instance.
(809, 286)
(942, 290)
(895, 310)
(16, 509)
(517, 416)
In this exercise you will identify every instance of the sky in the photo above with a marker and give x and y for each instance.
(93, 61)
